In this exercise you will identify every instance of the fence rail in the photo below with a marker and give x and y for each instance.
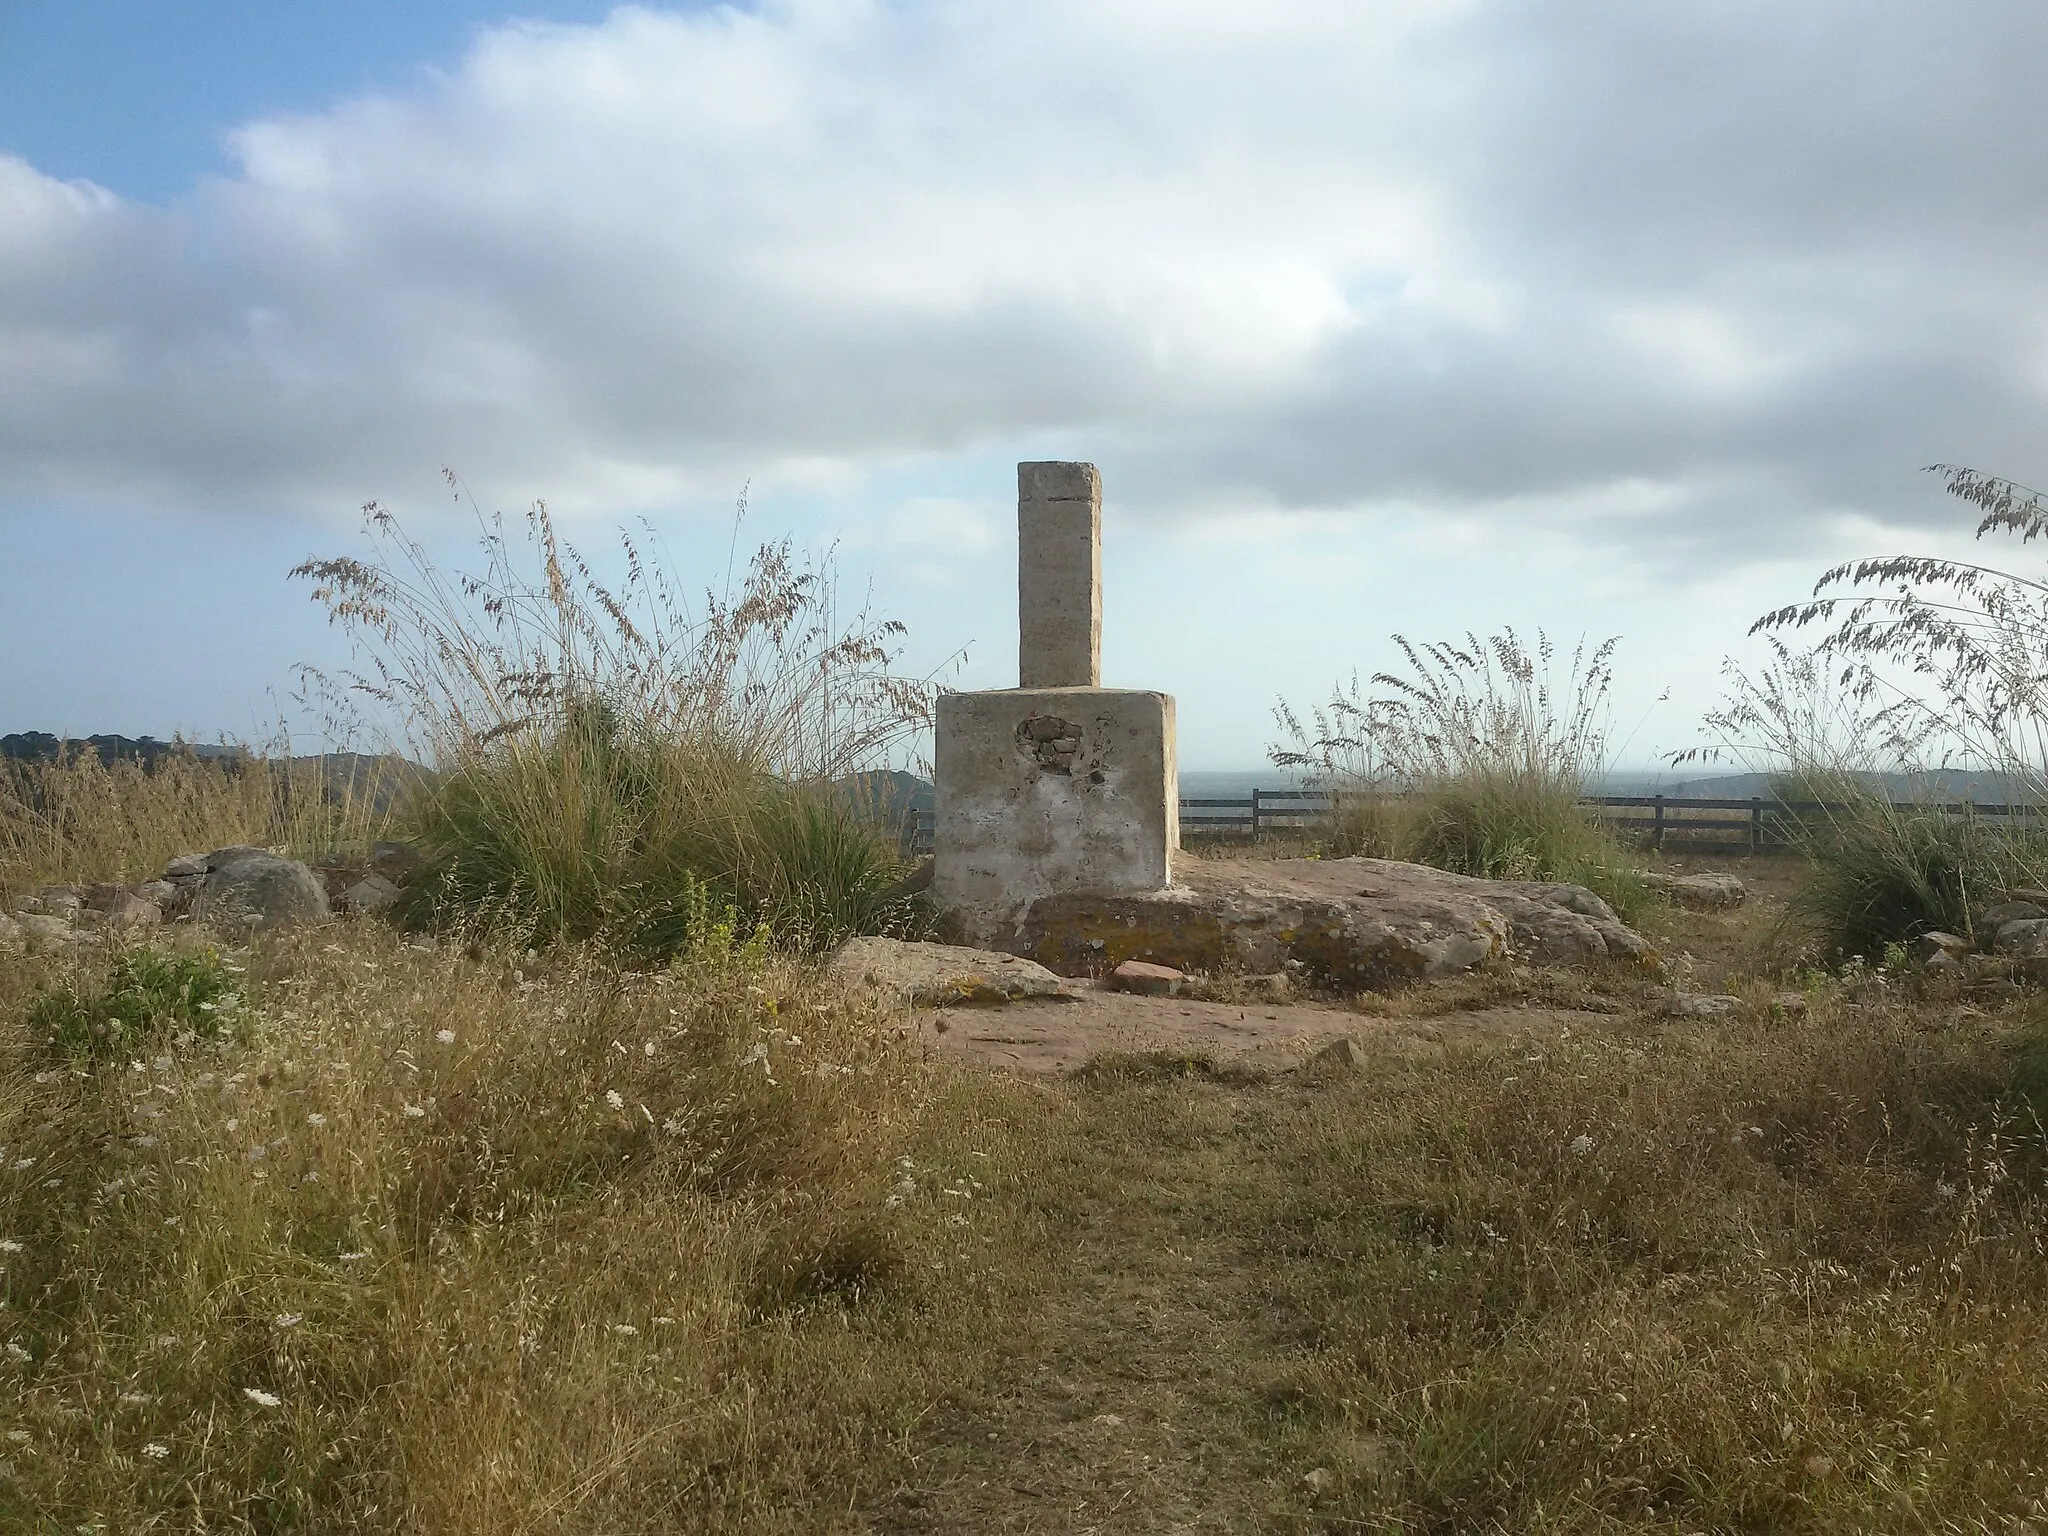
(1696, 823)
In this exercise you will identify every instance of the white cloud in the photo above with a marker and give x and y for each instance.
(1640, 270)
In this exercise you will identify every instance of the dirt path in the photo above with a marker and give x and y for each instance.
(1141, 1397)
(1053, 1035)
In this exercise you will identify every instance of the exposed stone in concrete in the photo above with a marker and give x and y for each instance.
(1147, 979)
(1048, 790)
(1703, 892)
(1059, 575)
(1352, 923)
(937, 975)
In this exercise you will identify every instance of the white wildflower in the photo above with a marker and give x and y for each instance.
(16, 1352)
(445, 1036)
(18, 1436)
(674, 1124)
(613, 1097)
(156, 1450)
(664, 1321)
(316, 1118)
(10, 1245)
(144, 1142)
(161, 1064)
(288, 1319)
(1582, 1144)
(261, 1398)
(1945, 1190)
(413, 1112)
(234, 1125)
(624, 1330)
(350, 1258)
(758, 1053)
(647, 1049)
(137, 1399)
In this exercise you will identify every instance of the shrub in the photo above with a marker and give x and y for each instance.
(1474, 761)
(611, 765)
(149, 994)
(1926, 664)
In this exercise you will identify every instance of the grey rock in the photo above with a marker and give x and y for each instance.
(1147, 980)
(2024, 936)
(11, 936)
(1344, 1054)
(370, 895)
(1926, 948)
(1942, 963)
(252, 887)
(394, 860)
(1353, 923)
(131, 911)
(932, 975)
(162, 892)
(1991, 919)
(186, 866)
(59, 901)
(41, 929)
(1707, 892)
(1701, 1005)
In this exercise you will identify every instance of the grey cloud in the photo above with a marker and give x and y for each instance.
(1761, 261)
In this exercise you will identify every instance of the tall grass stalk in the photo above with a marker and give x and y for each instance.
(615, 762)
(77, 819)
(1473, 760)
(1924, 665)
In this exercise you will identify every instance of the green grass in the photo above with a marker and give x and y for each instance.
(149, 995)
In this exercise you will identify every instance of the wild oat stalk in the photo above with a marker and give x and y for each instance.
(1474, 760)
(608, 758)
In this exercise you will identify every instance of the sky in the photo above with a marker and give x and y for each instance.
(1424, 317)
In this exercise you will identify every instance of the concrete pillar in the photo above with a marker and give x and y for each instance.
(1059, 575)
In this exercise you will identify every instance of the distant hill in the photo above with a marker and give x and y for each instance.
(42, 747)
(1942, 786)
(890, 794)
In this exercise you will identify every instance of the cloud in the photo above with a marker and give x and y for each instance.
(1657, 274)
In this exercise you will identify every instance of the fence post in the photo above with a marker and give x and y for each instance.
(1255, 814)
(1756, 825)
(1657, 827)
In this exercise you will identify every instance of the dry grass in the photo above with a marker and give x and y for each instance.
(85, 821)
(503, 1244)
(1589, 1271)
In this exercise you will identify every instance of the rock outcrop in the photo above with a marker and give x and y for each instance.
(936, 975)
(1351, 923)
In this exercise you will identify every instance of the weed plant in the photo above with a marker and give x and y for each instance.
(1473, 761)
(150, 995)
(613, 762)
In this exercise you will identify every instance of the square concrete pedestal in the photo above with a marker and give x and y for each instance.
(1044, 790)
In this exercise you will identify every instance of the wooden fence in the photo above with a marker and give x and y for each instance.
(1685, 823)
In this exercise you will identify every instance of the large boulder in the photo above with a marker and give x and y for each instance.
(1352, 923)
(935, 975)
(252, 887)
